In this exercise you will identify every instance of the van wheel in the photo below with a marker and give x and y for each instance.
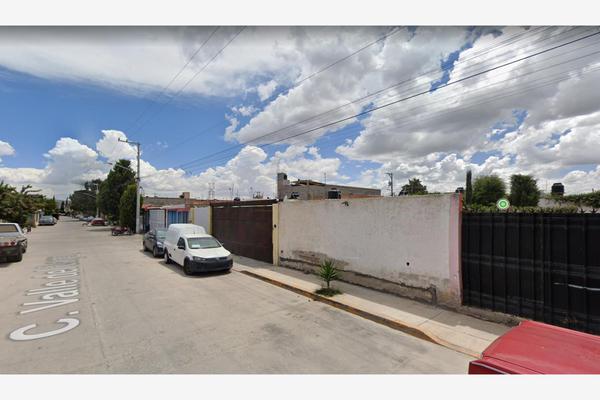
(167, 259)
(186, 267)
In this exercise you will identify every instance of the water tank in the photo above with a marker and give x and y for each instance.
(558, 189)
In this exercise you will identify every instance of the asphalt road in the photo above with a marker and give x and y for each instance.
(122, 311)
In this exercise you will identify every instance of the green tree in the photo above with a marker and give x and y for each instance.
(84, 202)
(17, 206)
(524, 191)
(127, 207)
(414, 186)
(487, 190)
(469, 189)
(49, 206)
(113, 187)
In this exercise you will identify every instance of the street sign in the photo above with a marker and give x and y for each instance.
(503, 204)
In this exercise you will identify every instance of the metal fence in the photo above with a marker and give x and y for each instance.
(540, 266)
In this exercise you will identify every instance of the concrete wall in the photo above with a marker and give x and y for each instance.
(201, 216)
(407, 245)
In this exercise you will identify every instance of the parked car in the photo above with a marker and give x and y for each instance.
(154, 241)
(89, 218)
(98, 222)
(537, 348)
(13, 242)
(47, 220)
(191, 247)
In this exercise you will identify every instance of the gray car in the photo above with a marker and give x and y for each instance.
(154, 241)
(47, 220)
(13, 243)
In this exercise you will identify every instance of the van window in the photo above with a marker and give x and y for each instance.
(181, 242)
(203, 243)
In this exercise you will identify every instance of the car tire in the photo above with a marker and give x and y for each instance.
(155, 252)
(23, 249)
(167, 259)
(186, 267)
(19, 256)
(144, 247)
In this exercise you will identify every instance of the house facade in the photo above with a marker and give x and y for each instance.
(306, 189)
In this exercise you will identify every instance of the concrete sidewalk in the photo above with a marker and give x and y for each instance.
(450, 329)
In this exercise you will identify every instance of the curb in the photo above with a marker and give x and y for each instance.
(390, 323)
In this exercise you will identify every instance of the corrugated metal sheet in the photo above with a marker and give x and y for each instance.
(177, 217)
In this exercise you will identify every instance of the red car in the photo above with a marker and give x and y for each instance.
(98, 222)
(537, 348)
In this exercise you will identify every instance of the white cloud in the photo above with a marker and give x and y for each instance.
(68, 164)
(110, 147)
(6, 149)
(245, 111)
(265, 90)
(436, 136)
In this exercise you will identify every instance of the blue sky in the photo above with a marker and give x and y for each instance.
(70, 93)
(37, 112)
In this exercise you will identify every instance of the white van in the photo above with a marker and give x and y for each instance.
(191, 247)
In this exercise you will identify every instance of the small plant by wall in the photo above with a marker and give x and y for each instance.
(328, 273)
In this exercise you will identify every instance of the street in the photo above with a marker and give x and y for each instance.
(124, 311)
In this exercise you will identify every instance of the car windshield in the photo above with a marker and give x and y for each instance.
(203, 243)
(46, 218)
(161, 234)
(8, 228)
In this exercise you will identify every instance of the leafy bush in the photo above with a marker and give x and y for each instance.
(591, 199)
(524, 191)
(487, 190)
(475, 208)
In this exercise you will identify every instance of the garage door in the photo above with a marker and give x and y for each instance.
(246, 228)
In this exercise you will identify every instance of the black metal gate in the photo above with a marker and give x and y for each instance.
(540, 266)
(245, 227)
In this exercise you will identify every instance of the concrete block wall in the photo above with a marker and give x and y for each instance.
(407, 245)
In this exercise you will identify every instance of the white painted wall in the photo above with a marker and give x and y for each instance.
(377, 237)
(200, 216)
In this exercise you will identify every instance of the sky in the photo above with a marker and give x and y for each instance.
(233, 106)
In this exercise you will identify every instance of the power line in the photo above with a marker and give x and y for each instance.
(163, 105)
(436, 114)
(427, 91)
(164, 90)
(241, 144)
(298, 83)
(447, 84)
(476, 102)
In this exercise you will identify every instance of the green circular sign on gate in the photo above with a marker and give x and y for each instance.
(503, 204)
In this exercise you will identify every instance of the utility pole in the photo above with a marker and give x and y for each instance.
(96, 194)
(391, 182)
(137, 185)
